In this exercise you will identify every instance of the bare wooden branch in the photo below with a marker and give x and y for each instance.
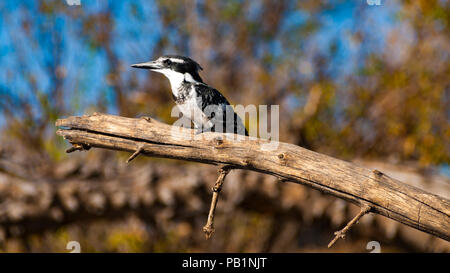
(135, 154)
(385, 195)
(341, 233)
(209, 227)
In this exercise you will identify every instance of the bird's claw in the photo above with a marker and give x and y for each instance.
(202, 130)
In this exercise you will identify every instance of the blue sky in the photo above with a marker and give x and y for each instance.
(85, 65)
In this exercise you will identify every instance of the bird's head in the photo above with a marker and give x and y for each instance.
(174, 66)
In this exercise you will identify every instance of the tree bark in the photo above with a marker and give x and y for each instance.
(384, 195)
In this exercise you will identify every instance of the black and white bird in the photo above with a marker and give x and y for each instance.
(206, 107)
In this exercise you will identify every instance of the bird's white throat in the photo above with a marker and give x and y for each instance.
(176, 79)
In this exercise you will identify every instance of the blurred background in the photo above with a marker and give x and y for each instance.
(364, 83)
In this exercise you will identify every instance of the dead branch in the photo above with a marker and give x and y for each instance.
(209, 227)
(341, 233)
(385, 196)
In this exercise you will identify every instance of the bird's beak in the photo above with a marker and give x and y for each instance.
(149, 65)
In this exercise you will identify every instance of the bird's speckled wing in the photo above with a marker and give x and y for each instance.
(210, 97)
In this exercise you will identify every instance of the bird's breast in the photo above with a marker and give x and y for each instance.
(182, 93)
(186, 100)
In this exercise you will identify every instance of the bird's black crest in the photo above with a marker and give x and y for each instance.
(186, 59)
(187, 66)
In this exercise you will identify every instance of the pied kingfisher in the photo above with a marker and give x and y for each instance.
(206, 107)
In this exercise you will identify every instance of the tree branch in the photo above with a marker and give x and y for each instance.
(385, 195)
(209, 227)
(341, 233)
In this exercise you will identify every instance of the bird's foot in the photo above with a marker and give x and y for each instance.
(204, 130)
(198, 131)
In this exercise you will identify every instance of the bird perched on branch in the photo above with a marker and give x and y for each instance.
(206, 107)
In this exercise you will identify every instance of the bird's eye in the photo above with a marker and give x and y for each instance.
(167, 62)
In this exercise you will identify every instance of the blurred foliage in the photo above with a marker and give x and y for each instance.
(112, 206)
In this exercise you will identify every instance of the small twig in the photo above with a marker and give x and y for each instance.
(209, 227)
(139, 149)
(78, 147)
(341, 233)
